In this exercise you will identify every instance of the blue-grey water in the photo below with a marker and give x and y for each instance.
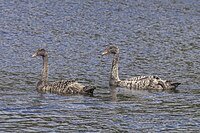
(155, 37)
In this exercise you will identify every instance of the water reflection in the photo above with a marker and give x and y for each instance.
(155, 37)
(113, 92)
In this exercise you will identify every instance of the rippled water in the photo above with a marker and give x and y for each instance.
(160, 37)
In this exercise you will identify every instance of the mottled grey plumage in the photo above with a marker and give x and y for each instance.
(62, 86)
(140, 82)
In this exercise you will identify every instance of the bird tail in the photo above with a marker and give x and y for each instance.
(173, 85)
(89, 89)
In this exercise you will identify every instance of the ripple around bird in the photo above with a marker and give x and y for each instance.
(155, 38)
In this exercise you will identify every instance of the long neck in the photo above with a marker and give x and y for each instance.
(114, 77)
(45, 69)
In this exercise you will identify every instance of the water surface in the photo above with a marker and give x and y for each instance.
(154, 37)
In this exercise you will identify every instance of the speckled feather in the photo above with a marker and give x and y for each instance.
(62, 86)
(138, 83)
(148, 82)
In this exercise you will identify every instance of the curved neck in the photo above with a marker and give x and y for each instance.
(114, 77)
(45, 69)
